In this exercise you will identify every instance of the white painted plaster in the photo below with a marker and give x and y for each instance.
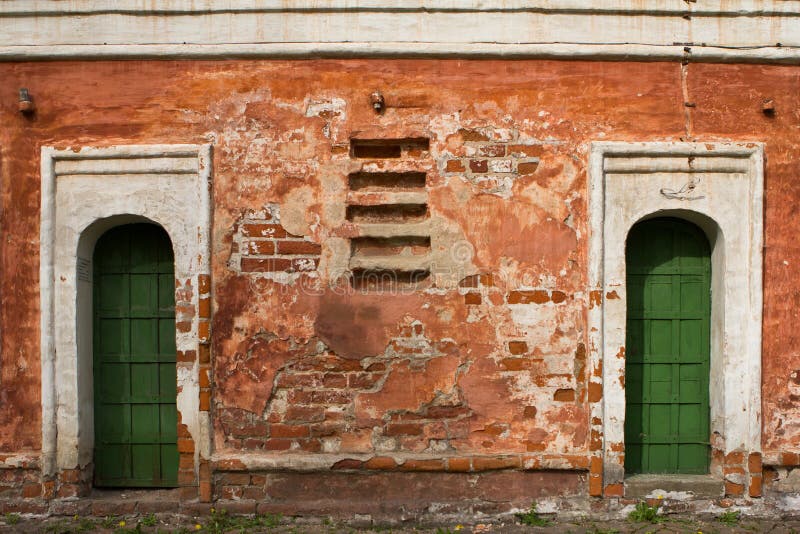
(84, 193)
(625, 187)
(736, 30)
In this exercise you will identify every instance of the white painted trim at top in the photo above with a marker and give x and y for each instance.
(707, 7)
(716, 30)
(626, 184)
(598, 52)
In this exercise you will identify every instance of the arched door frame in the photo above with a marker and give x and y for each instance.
(84, 193)
(719, 187)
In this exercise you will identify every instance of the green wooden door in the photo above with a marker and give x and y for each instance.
(667, 348)
(135, 418)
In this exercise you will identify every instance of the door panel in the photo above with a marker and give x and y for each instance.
(667, 348)
(134, 359)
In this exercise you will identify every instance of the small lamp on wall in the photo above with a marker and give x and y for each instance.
(25, 101)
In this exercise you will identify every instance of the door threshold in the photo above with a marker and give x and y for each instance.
(665, 486)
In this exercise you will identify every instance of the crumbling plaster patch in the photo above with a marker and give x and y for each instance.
(84, 193)
(627, 181)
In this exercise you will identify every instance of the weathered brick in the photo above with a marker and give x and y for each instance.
(517, 347)
(260, 248)
(298, 247)
(479, 165)
(527, 167)
(454, 165)
(536, 296)
(564, 395)
(263, 230)
(403, 429)
(472, 298)
(263, 265)
(277, 430)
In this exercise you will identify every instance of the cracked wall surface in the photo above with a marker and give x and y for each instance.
(481, 367)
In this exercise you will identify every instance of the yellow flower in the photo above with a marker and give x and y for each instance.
(660, 496)
(198, 526)
(459, 527)
(122, 523)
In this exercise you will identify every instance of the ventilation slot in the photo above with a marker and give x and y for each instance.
(390, 209)
(386, 181)
(375, 279)
(387, 213)
(388, 148)
(390, 246)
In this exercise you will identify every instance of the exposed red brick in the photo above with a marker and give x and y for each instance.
(263, 265)
(422, 465)
(492, 151)
(754, 463)
(185, 445)
(472, 298)
(205, 401)
(380, 463)
(527, 168)
(536, 296)
(517, 347)
(472, 135)
(490, 463)
(755, 489)
(263, 230)
(733, 490)
(403, 429)
(595, 392)
(347, 463)
(454, 165)
(261, 248)
(529, 412)
(479, 165)
(459, 465)
(558, 297)
(204, 284)
(564, 395)
(532, 151)
(614, 490)
(298, 247)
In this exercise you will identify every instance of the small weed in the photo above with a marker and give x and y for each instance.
(149, 520)
(110, 521)
(730, 518)
(221, 521)
(441, 530)
(12, 519)
(644, 513)
(533, 519)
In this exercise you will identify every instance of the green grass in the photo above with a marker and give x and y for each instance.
(12, 519)
(220, 521)
(532, 518)
(644, 513)
(730, 518)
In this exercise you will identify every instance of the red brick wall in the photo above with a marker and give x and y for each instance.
(492, 370)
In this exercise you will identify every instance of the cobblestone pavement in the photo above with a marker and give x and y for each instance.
(221, 522)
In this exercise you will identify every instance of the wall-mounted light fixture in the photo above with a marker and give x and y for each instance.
(25, 101)
(377, 101)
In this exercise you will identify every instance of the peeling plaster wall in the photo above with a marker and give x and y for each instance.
(485, 366)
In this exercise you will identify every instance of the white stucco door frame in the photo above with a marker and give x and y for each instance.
(84, 193)
(719, 187)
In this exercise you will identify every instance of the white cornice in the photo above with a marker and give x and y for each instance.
(713, 30)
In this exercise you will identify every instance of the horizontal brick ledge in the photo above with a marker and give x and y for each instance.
(397, 462)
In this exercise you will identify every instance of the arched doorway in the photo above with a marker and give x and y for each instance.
(668, 277)
(135, 416)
